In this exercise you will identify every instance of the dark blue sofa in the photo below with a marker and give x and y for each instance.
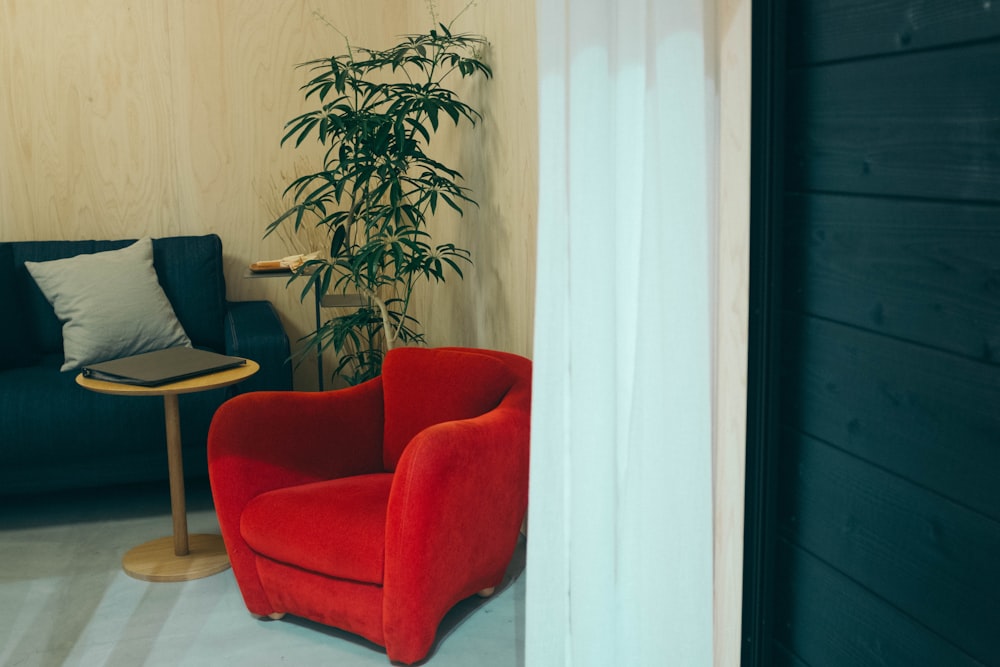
(55, 435)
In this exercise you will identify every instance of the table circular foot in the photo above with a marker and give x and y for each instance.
(156, 561)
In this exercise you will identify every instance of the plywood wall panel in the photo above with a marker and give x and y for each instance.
(494, 305)
(163, 117)
(731, 322)
(87, 109)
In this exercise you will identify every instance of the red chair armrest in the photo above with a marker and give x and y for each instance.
(455, 510)
(263, 441)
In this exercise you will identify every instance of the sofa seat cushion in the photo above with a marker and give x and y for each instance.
(55, 435)
(334, 527)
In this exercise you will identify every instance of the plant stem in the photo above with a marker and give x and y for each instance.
(384, 312)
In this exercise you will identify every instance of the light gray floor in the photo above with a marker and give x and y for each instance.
(64, 599)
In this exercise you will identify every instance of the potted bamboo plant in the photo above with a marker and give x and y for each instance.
(378, 187)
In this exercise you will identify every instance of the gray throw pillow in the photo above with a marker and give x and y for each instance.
(110, 304)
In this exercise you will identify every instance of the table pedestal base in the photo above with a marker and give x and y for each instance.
(156, 561)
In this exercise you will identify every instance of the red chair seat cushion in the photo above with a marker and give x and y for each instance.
(334, 527)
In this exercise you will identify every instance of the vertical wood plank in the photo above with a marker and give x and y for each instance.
(731, 324)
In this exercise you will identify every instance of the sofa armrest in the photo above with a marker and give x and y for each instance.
(253, 331)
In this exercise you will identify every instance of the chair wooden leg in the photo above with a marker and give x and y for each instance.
(273, 616)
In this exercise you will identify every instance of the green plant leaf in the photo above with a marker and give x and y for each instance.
(339, 237)
(450, 202)
(378, 187)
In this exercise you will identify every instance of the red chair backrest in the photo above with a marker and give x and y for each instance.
(423, 387)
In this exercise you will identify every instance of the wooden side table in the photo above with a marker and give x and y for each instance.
(319, 301)
(180, 557)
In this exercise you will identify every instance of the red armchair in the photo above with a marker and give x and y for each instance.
(376, 508)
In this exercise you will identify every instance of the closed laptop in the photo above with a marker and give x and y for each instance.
(162, 366)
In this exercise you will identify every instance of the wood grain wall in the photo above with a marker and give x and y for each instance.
(164, 117)
(888, 509)
(731, 321)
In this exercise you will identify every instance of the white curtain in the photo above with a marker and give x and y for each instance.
(620, 515)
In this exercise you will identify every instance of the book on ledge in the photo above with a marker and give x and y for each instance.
(151, 369)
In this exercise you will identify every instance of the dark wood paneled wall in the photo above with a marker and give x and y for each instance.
(885, 543)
